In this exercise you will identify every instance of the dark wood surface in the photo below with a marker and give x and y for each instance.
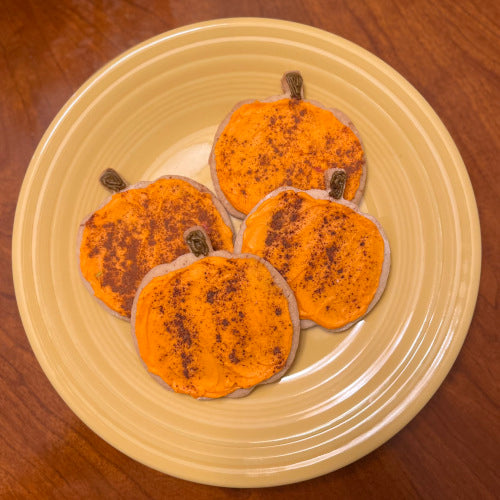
(448, 49)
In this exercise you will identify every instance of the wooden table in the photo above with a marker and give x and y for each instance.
(449, 50)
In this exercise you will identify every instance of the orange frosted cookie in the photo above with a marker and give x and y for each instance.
(335, 259)
(142, 226)
(215, 325)
(283, 141)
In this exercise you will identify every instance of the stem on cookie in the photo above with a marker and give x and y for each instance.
(112, 180)
(198, 241)
(293, 83)
(337, 183)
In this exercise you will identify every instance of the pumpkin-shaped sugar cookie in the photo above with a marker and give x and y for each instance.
(283, 140)
(213, 323)
(139, 227)
(335, 259)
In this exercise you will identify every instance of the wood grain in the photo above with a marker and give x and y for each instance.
(449, 50)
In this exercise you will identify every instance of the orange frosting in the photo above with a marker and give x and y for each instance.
(290, 142)
(330, 255)
(214, 326)
(139, 229)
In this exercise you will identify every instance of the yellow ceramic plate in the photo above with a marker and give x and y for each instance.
(153, 111)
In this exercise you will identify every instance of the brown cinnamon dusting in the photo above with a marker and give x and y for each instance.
(141, 228)
(330, 256)
(229, 325)
(292, 143)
